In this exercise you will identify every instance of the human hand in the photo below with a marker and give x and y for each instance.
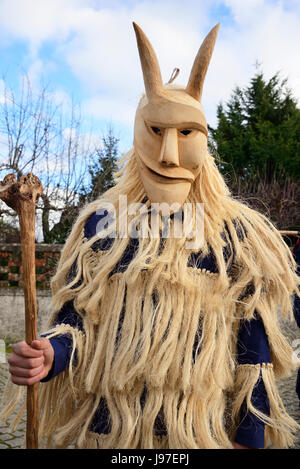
(28, 364)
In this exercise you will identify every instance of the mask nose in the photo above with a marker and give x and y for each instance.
(169, 155)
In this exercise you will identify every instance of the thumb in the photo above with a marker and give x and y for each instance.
(41, 343)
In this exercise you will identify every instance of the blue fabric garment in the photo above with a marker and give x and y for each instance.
(253, 346)
(62, 344)
(297, 298)
(296, 311)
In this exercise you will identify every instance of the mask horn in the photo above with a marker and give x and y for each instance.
(201, 63)
(151, 71)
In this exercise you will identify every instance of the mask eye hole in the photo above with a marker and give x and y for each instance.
(156, 130)
(185, 131)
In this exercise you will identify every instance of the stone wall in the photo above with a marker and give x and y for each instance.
(47, 256)
(12, 321)
(12, 313)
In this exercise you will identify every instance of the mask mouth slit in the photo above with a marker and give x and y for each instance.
(158, 174)
(165, 177)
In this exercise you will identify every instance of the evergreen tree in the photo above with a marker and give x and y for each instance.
(102, 169)
(258, 131)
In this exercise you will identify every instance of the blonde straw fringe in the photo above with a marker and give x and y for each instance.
(280, 428)
(155, 345)
(13, 404)
(96, 441)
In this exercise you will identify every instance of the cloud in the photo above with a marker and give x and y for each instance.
(268, 32)
(104, 54)
(35, 21)
(97, 42)
(261, 31)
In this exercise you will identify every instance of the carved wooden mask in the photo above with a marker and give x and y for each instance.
(170, 134)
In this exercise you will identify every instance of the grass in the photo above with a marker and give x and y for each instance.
(8, 343)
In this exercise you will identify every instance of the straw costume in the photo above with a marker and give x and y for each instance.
(160, 345)
(296, 253)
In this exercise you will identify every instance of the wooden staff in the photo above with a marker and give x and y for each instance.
(22, 195)
(291, 233)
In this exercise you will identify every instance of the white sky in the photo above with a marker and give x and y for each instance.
(87, 48)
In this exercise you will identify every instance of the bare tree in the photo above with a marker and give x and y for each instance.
(278, 199)
(38, 135)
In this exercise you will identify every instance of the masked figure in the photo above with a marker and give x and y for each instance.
(160, 343)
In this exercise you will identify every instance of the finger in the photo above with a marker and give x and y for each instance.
(18, 361)
(25, 372)
(28, 381)
(40, 344)
(25, 350)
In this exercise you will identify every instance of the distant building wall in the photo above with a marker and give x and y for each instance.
(12, 320)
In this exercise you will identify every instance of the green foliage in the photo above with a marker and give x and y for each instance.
(8, 344)
(258, 131)
(8, 233)
(61, 230)
(3, 261)
(102, 169)
(13, 283)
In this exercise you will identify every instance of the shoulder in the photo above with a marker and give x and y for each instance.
(95, 224)
(90, 227)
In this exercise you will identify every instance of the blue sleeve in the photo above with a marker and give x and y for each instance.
(296, 310)
(62, 344)
(253, 348)
(96, 222)
(62, 347)
(298, 385)
(296, 298)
